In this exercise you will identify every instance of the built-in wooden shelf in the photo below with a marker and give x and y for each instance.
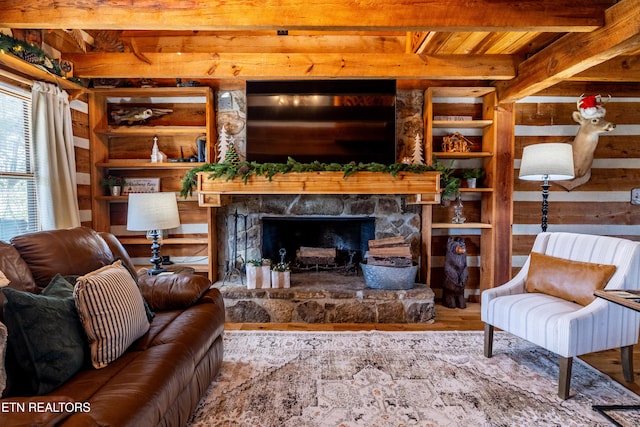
(477, 107)
(198, 268)
(167, 241)
(124, 149)
(460, 226)
(476, 190)
(126, 131)
(145, 164)
(125, 198)
(461, 124)
(462, 155)
(152, 92)
(25, 68)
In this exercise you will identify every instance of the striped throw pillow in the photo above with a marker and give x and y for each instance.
(111, 311)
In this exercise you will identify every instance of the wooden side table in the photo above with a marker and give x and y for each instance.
(629, 299)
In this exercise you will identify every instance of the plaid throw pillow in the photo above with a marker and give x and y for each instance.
(111, 311)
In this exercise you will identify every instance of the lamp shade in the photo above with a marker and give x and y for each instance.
(551, 161)
(152, 211)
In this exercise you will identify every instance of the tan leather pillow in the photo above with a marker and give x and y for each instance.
(570, 280)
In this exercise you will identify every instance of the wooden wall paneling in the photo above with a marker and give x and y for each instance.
(600, 206)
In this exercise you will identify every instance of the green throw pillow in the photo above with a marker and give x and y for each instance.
(45, 334)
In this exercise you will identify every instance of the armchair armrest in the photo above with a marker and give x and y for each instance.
(172, 291)
(512, 287)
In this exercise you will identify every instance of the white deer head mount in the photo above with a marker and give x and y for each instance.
(590, 116)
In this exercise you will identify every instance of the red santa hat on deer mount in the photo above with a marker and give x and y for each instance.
(590, 108)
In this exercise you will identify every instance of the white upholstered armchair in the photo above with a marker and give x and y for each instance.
(550, 319)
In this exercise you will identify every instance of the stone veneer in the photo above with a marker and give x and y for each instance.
(324, 297)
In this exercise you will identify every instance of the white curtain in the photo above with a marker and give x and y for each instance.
(54, 157)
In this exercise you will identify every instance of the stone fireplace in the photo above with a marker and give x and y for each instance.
(258, 226)
(388, 216)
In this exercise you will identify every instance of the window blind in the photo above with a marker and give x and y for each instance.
(18, 198)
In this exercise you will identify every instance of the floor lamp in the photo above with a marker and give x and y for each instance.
(546, 162)
(153, 212)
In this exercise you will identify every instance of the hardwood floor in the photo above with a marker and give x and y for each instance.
(447, 319)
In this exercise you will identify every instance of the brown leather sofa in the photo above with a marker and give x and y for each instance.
(161, 377)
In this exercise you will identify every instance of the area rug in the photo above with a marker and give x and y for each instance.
(399, 379)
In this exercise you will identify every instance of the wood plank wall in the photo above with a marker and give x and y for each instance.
(602, 205)
(80, 123)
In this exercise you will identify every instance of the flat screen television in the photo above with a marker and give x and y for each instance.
(325, 120)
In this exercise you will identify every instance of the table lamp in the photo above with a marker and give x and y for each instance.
(153, 212)
(546, 162)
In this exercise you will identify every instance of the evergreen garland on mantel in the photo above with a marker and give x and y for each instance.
(244, 170)
(33, 55)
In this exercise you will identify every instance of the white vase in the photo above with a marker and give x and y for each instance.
(471, 182)
(116, 190)
(258, 277)
(280, 279)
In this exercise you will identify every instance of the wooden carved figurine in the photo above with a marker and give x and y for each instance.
(455, 273)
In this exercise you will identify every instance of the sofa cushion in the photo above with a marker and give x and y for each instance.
(16, 271)
(71, 251)
(173, 291)
(118, 251)
(134, 276)
(45, 334)
(567, 279)
(111, 310)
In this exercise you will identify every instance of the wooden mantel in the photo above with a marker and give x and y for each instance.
(421, 188)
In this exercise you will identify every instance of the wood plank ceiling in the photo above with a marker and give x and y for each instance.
(520, 46)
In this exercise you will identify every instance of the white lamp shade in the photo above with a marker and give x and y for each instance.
(152, 211)
(552, 161)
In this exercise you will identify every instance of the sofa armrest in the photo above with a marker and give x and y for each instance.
(172, 291)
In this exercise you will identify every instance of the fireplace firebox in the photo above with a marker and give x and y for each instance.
(348, 235)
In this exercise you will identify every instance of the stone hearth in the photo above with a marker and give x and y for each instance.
(327, 297)
(323, 296)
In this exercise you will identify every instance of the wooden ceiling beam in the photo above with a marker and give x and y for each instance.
(292, 66)
(575, 53)
(404, 15)
(292, 43)
(622, 69)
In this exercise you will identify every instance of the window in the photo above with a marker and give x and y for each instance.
(18, 201)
